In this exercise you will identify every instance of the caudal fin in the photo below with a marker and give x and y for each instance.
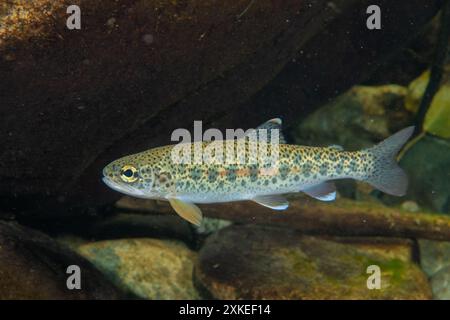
(386, 175)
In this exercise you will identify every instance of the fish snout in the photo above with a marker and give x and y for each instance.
(109, 171)
(105, 172)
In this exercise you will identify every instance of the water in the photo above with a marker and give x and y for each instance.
(83, 86)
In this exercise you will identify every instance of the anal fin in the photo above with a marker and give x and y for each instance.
(325, 191)
(274, 201)
(187, 211)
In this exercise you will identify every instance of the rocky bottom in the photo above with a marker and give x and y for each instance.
(221, 261)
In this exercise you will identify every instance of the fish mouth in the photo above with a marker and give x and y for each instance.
(122, 188)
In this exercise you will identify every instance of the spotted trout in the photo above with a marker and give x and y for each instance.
(153, 174)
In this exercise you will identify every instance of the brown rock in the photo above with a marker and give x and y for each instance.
(33, 266)
(252, 262)
(389, 248)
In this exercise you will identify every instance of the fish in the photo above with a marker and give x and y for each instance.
(153, 174)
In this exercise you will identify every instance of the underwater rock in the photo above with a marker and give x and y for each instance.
(434, 255)
(72, 241)
(145, 268)
(356, 119)
(389, 248)
(426, 162)
(410, 206)
(255, 262)
(34, 266)
(437, 118)
(440, 284)
(74, 100)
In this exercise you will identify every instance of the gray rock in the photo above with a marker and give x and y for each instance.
(434, 255)
(426, 163)
(440, 284)
(146, 268)
(356, 119)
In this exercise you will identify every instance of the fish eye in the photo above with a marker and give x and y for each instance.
(128, 173)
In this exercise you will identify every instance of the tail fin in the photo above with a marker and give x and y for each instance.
(386, 175)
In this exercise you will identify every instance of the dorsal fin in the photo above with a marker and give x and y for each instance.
(336, 147)
(272, 124)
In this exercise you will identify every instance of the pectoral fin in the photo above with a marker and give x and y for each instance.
(275, 202)
(187, 211)
(325, 191)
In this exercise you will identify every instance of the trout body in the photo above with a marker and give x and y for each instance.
(264, 179)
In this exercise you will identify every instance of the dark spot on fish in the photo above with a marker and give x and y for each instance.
(196, 174)
(231, 174)
(323, 169)
(267, 165)
(284, 171)
(212, 175)
(253, 172)
(307, 170)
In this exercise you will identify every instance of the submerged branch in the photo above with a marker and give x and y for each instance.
(437, 66)
(341, 218)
